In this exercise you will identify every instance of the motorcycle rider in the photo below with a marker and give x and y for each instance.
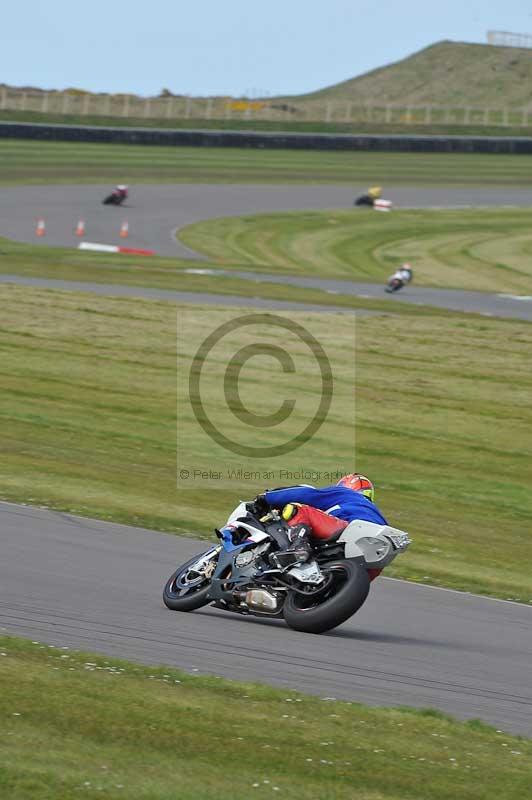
(320, 513)
(121, 191)
(368, 199)
(404, 274)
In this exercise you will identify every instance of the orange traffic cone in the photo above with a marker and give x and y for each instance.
(40, 230)
(80, 228)
(124, 230)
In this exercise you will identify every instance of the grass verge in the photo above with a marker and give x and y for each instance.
(77, 724)
(481, 249)
(168, 274)
(443, 421)
(36, 162)
(381, 128)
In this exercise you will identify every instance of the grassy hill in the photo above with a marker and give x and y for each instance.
(446, 73)
(447, 88)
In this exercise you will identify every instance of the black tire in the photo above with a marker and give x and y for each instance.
(185, 598)
(342, 599)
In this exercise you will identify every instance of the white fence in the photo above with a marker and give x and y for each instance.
(130, 106)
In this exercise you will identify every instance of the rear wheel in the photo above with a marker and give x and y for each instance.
(188, 587)
(346, 588)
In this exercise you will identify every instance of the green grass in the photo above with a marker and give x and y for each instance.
(28, 261)
(81, 725)
(443, 424)
(32, 162)
(488, 249)
(379, 126)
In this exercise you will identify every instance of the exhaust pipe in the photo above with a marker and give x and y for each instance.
(261, 600)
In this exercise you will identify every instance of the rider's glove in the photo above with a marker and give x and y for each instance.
(259, 506)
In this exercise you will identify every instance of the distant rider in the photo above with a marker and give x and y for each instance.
(404, 274)
(121, 191)
(321, 513)
(368, 199)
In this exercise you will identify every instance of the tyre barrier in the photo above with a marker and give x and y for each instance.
(276, 141)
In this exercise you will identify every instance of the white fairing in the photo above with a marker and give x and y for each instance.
(255, 534)
(240, 511)
(377, 544)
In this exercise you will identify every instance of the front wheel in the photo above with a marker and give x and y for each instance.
(347, 586)
(188, 587)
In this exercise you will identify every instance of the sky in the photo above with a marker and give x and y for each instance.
(230, 47)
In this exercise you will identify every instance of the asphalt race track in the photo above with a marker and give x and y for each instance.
(476, 302)
(199, 298)
(155, 212)
(87, 584)
(91, 585)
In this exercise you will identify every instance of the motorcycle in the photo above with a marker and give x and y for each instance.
(364, 200)
(399, 279)
(369, 198)
(250, 571)
(394, 284)
(116, 198)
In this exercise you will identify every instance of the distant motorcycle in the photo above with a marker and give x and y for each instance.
(250, 572)
(364, 200)
(117, 196)
(401, 278)
(368, 199)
